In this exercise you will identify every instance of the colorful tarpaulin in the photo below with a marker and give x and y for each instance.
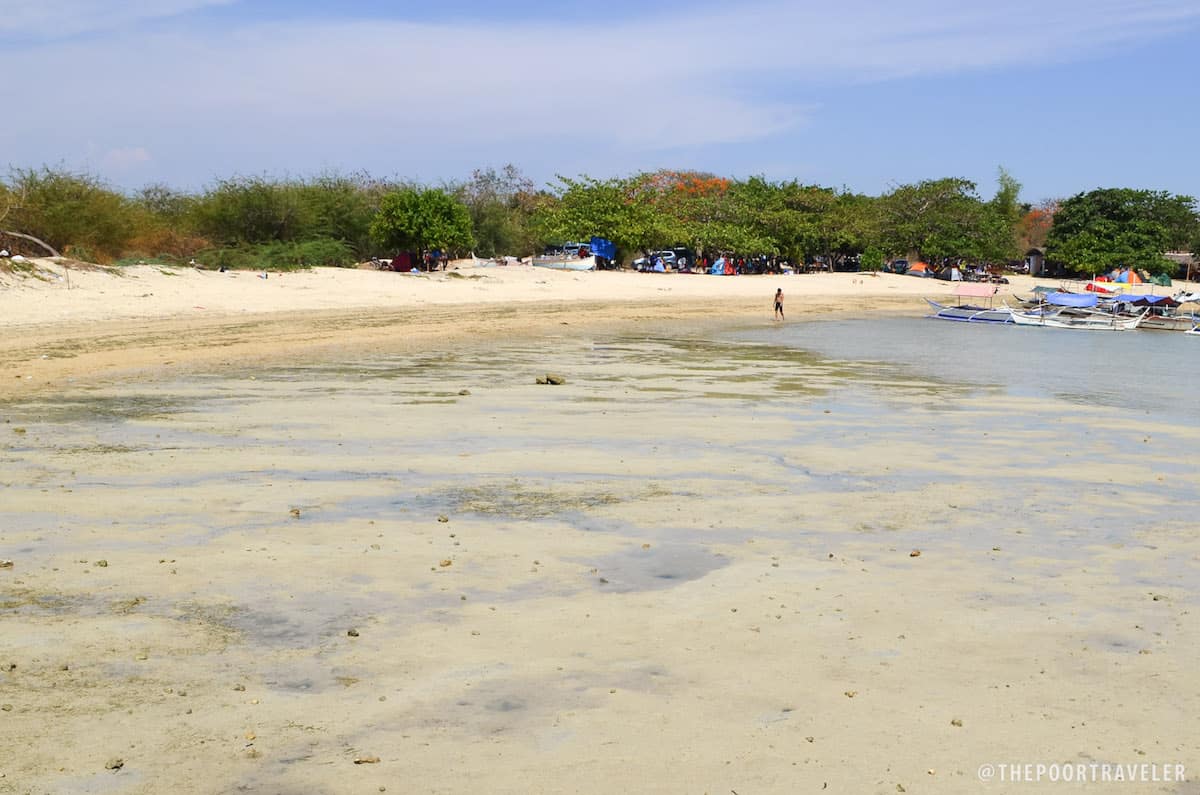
(1072, 299)
(969, 290)
(603, 248)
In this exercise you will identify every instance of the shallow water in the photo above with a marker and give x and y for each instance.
(1141, 372)
(1020, 402)
(518, 559)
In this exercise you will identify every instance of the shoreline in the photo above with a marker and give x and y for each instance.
(147, 320)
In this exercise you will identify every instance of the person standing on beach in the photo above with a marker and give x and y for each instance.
(779, 304)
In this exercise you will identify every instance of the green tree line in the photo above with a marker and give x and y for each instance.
(340, 219)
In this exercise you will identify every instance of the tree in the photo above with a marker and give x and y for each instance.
(1035, 224)
(850, 226)
(422, 220)
(501, 205)
(935, 219)
(1001, 222)
(621, 210)
(1107, 228)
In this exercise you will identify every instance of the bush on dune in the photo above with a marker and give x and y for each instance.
(278, 256)
(75, 213)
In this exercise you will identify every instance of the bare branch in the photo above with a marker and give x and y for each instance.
(32, 239)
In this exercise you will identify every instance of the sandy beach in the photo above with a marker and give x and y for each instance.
(72, 323)
(322, 533)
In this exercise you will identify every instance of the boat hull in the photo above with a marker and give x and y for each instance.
(1082, 322)
(569, 264)
(964, 313)
(1168, 323)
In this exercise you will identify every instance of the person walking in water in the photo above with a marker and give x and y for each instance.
(779, 304)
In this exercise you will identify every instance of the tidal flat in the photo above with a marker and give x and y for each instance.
(732, 559)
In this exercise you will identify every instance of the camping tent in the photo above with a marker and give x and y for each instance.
(1128, 276)
(920, 269)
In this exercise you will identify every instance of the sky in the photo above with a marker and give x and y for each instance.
(1066, 95)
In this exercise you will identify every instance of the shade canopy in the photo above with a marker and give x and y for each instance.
(1072, 299)
(974, 290)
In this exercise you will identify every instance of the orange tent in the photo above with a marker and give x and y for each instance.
(920, 269)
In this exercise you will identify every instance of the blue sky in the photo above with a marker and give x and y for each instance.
(1068, 95)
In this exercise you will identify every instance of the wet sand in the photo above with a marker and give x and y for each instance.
(65, 325)
(688, 569)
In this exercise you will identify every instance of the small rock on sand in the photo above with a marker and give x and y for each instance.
(353, 633)
(115, 763)
(6, 564)
(366, 760)
(102, 564)
(916, 553)
(443, 518)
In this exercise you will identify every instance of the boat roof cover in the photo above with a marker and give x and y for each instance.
(1071, 299)
(1147, 300)
(974, 290)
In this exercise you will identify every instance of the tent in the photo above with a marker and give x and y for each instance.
(404, 262)
(920, 269)
(1128, 276)
(718, 267)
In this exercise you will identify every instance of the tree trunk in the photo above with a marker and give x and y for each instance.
(32, 239)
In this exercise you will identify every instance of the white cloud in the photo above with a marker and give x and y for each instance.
(46, 19)
(304, 92)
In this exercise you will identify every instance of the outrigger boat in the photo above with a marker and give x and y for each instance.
(1161, 314)
(969, 313)
(1075, 311)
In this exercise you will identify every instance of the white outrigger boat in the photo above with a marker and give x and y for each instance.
(1162, 314)
(1075, 311)
(968, 313)
(566, 263)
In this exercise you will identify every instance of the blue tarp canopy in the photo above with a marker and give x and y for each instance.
(1071, 299)
(603, 248)
(1146, 300)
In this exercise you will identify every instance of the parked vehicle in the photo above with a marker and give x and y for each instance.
(677, 258)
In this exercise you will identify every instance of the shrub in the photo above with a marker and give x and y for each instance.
(279, 256)
(75, 212)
